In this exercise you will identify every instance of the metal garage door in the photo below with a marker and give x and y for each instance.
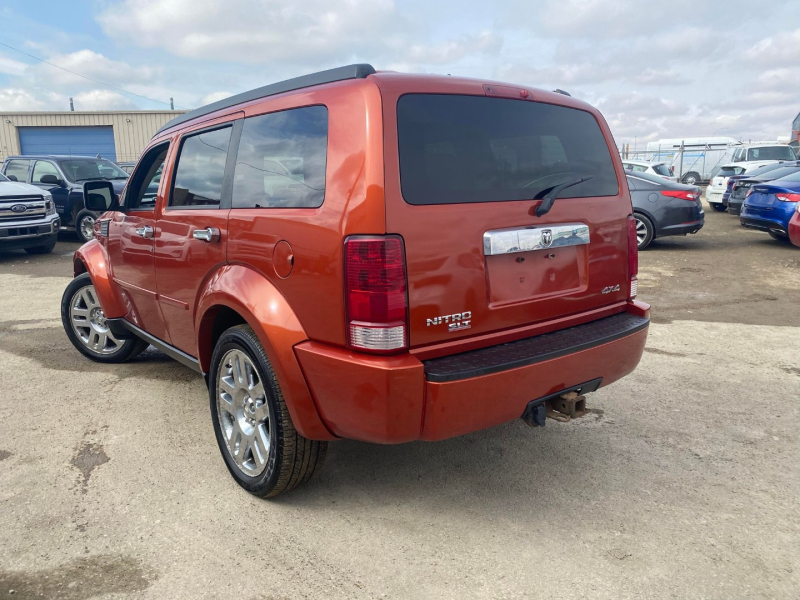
(86, 141)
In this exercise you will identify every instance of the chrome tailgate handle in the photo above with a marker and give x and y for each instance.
(145, 232)
(208, 235)
(527, 239)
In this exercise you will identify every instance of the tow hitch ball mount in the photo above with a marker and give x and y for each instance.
(563, 406)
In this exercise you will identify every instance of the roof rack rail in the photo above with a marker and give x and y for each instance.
(357, 71)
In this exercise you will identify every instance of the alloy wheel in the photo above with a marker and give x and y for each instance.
(89, 322)
(243, 413)
(641, 232)
(87, 227)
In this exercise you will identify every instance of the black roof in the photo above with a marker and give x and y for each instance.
(357, 71)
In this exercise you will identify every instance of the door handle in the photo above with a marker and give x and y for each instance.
(145, 232)
(208, 235)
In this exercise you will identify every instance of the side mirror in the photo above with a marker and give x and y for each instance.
(99, 196)
(12, 177)
(51, 180)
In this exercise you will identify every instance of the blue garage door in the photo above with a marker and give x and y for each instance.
(85, 141)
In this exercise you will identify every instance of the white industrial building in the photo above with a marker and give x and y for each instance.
(117, 135)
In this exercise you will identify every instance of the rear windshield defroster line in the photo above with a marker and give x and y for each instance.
(460, 149)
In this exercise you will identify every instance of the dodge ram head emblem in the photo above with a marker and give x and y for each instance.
(547, 237)
(19, 208)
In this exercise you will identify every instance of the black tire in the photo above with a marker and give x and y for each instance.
(83, 219)
(645, 224)
(292, 459)
(691, 178)
(718, 207)
(123, 349)
(46, 249)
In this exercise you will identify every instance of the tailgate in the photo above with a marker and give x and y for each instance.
(470, 172)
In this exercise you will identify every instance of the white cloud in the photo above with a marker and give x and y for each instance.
(20, 99)
(10, 66)
(102, 100)
(89, 64)
(256, 31)
(780, 49)
(454, 50)
(214, 97)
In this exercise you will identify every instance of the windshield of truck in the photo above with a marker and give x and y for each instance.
(84, 169)
(460, 149)
(661, 170)
(771, 153)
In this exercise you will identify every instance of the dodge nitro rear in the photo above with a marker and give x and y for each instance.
(372, 256)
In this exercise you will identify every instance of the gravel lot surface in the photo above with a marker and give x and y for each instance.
(681, 483)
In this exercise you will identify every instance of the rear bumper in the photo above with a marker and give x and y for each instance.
(794, 229)
(764, 225)
(714, 196)
(682, 228)
(400, 398)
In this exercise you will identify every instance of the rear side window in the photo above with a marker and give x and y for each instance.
(201, 169)
(460, 149)
(18, 169)
(281, 160)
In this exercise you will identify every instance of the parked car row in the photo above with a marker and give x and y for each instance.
(62, 178)
(766, 198)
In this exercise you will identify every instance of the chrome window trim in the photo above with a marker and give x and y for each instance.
(528, 239)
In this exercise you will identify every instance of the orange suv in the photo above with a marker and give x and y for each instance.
(368, 255)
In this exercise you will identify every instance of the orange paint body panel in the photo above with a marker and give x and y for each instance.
(93, 258)
(388, 400)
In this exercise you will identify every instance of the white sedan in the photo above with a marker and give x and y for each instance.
(642, 166)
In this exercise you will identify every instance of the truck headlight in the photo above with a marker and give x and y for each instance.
(48, 202)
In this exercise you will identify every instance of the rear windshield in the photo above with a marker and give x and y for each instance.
(764, 169)
(794, 177)
(782, 172)
(459, 149)
(662, 170)
(771, 153)
(728, 171)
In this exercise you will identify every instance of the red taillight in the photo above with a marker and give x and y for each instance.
(633, 259)
(375, 293)
(682, 194)
(788, 197)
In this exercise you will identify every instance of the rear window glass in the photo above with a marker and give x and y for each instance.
(662, 170)
(787, 178)
(728, 171)
(782, 172)
(771, 153)
(460, 149)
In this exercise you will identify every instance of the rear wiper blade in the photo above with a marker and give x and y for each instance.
(547, 202)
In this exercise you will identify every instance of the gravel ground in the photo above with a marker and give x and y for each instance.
(682, 482)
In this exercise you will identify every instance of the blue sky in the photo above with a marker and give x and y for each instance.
(655, 69)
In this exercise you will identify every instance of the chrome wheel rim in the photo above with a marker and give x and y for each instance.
(89, 322)
(641, 231)
(243, 413)
(87, 227)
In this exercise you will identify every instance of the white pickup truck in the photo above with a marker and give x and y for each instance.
(744, 159)
(28, 218)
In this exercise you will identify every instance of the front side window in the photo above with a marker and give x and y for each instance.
(42, 168)
(282, 159)
(86, 169)
(201, 169)
(142, 189)
(18, 169)
(459, 149)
